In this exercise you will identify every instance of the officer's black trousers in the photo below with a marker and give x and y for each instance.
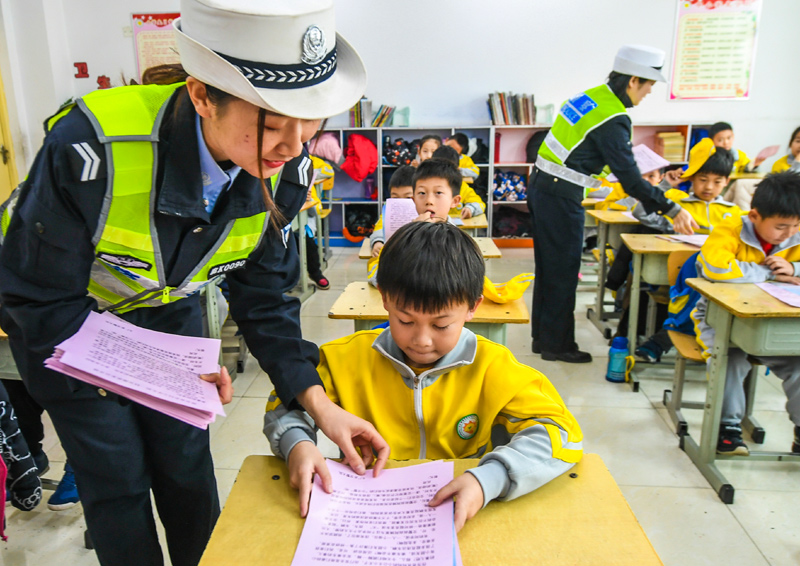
(557, 245)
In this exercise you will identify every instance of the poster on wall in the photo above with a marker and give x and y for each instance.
(154, 40)
(715, 49)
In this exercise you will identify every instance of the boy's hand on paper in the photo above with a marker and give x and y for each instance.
(305, 460)
(467, 493)
(779, 265)
(684, 223)
(788, 279)
(466, 213)
(223, 382)
(376, 249)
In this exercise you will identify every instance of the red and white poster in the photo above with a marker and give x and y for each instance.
(154, 40)
(715, 49)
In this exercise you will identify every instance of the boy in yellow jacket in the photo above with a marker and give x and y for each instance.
(460, 142)
(432, 388)
(709, 171)
(721, 134)
(762, 246)
(470, 204)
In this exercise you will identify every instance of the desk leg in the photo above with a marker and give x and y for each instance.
(363, 324)
(704, 453)
(597, 314)
(633, 310)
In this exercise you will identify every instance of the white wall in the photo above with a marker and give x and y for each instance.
(440, 58)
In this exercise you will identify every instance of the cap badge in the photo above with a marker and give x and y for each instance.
(313, 46)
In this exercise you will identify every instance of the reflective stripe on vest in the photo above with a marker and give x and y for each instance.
(128, 271)
(577, 117)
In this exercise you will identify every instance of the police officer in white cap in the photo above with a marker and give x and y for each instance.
(142, 195)
(592, 131)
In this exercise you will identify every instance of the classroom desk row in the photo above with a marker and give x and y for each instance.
(580, 517)
(362, 303)
(487, 246)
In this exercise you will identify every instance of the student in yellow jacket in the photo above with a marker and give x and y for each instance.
(709, 169)
(762, 246)
(721, 134)
(434, 389)
(460, 142)
(790, 160)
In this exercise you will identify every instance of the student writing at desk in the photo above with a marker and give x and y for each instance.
(762, 246)
(434, 389)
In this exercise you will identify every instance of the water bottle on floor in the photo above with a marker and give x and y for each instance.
(617, 360)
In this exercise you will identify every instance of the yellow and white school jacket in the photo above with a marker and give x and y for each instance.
(740, 161)
(783, 164)
(733, 254)
(478, 401)
(467, 167)
(469, 199)
(706, 214)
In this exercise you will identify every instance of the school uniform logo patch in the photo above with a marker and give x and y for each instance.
(467, 426)
(226, 267)
(125, 261)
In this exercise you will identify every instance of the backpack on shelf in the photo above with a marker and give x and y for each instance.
(397, 152)
(509, 222)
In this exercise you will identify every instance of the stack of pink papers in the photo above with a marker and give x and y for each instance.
(155, 369)
(384, 520)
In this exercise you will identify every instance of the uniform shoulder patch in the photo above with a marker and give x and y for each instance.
(87, 160)
(467, 426)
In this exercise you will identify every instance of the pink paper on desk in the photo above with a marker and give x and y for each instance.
(646, 160)
(693, 240)
(784, 292)
(155, 369)
(384, 520)
(767, 152)
(398, 212)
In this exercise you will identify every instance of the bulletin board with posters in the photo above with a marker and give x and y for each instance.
(154, 40)
(715, 49)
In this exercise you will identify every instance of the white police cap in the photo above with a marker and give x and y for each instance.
(640, 61)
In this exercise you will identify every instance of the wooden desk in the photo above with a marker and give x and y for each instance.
(759, 324)
(472, 225)
(571, 520)
(610, 224)
(362, 303)
(487, 246)
(650, 253)
(590, 203)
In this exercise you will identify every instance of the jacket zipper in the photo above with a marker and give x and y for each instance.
(420, 422)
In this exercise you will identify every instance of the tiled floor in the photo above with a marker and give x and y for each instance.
(682, 516)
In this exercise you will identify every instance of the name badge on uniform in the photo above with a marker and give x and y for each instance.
(285, 233)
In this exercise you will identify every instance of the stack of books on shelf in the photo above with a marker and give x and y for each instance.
(671, 146)
(361, 114)
(384, 116)
(508, 109)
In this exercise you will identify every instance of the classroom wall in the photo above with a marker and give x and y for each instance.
(439, 58)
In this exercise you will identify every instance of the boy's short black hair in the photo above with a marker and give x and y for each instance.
(720, 163)
(794, 134)
(434, 137)
(442, 168)
(778, 194)
(462, 140)
(717, 128)
(403, 177)
(429, 266)
(447, 153)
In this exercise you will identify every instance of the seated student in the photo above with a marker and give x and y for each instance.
(721, 134)
(437, 189)
(400, 186)
(460, 142)
(427, 145)
(764, 245)
(792, 159)
(708, 171)
(470, 204)
(432, 388)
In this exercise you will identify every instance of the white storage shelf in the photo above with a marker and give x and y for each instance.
(511, 155)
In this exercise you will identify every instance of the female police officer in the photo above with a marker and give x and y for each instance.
(592, 130)
(140, 196)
